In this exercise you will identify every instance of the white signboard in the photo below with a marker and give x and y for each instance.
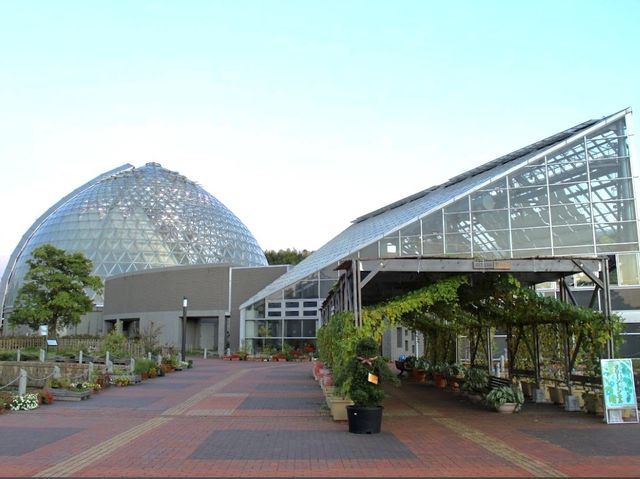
(619, 391)
(43, 330)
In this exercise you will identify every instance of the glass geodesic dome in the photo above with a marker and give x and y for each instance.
(132, 219)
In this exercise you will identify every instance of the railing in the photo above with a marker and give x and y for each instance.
(22, 342)
(132, 347)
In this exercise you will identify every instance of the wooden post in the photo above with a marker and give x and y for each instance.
(22, 383)
(56, 372)
(80, 357)
(18, 355)
(42, 355)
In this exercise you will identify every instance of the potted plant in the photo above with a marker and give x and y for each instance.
(362, 377)
(440, 374)
(476, 381)
(505, 399)
(420, 370)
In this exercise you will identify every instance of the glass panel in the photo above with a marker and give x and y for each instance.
(292, 314)
(456, 222)
(325, 287)
(491, 220)
(302, 289)
(568, 172)
(532, 253)
(292, 304)
(573, 250)
(489, 199)
(457, 243)
(490, 240)
(310, 312)
(570, 154)
(412, 230)
(611, 212)
(411, 246)
(309, 329)
(612, 189)
(529, 217)
(389, 247)
(329, 273)
(616, 248)
(251, 329)
(274, 304)
(570, 193)
(274, 314)
(572, 235)
(432, 224)
(628, 269)
(609, 169)
(459, 206)
(616, 233)
(275, 328)
(370, 251)
(573, 213)
(523, 197)
(293, 328)
(433, 245)
(310, 304)
(256, 310)
(531, 238)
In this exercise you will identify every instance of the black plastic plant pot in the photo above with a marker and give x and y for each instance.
(364, 420)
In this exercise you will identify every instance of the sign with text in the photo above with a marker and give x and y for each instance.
(43, 330)
(618, 388)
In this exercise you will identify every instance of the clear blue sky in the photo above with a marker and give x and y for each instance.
(299, 116)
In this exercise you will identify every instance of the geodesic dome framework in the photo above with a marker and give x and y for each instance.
(132, 219)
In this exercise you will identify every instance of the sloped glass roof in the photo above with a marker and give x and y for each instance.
(557, 164)
(133, 219)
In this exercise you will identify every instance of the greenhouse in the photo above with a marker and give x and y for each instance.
(571, 194)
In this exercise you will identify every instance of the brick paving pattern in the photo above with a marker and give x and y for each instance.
(237, 418)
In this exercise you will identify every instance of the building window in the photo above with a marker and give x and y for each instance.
(399, 337)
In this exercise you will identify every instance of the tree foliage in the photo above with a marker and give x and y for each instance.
(286, 256)
(54, 290)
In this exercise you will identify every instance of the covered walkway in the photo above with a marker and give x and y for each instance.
(238, 419)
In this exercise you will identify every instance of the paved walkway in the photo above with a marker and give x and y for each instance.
(266, 419)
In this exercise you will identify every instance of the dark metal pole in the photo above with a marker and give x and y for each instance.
(184, 329)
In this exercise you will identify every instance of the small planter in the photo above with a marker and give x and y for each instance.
(507, 408)
(420, 375)
(557, 395)
(440, 380)
(364, 420)
(339, 407)
(527, 389)
(60, 394)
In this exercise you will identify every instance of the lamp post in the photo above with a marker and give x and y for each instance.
(184, 328)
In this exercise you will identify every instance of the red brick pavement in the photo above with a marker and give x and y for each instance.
(208, 422)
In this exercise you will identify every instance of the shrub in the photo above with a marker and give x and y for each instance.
(504, 394)
(25, 402)
(364, 374)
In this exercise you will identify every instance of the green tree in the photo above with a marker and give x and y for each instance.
(286, 256)
(53, 292)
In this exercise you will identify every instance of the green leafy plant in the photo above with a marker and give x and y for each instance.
(476, 381)
(504, 394)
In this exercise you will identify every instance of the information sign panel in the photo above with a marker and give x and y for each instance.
(43, 330)
(619, 389)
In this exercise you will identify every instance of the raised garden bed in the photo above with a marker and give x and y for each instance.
(60, 394)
